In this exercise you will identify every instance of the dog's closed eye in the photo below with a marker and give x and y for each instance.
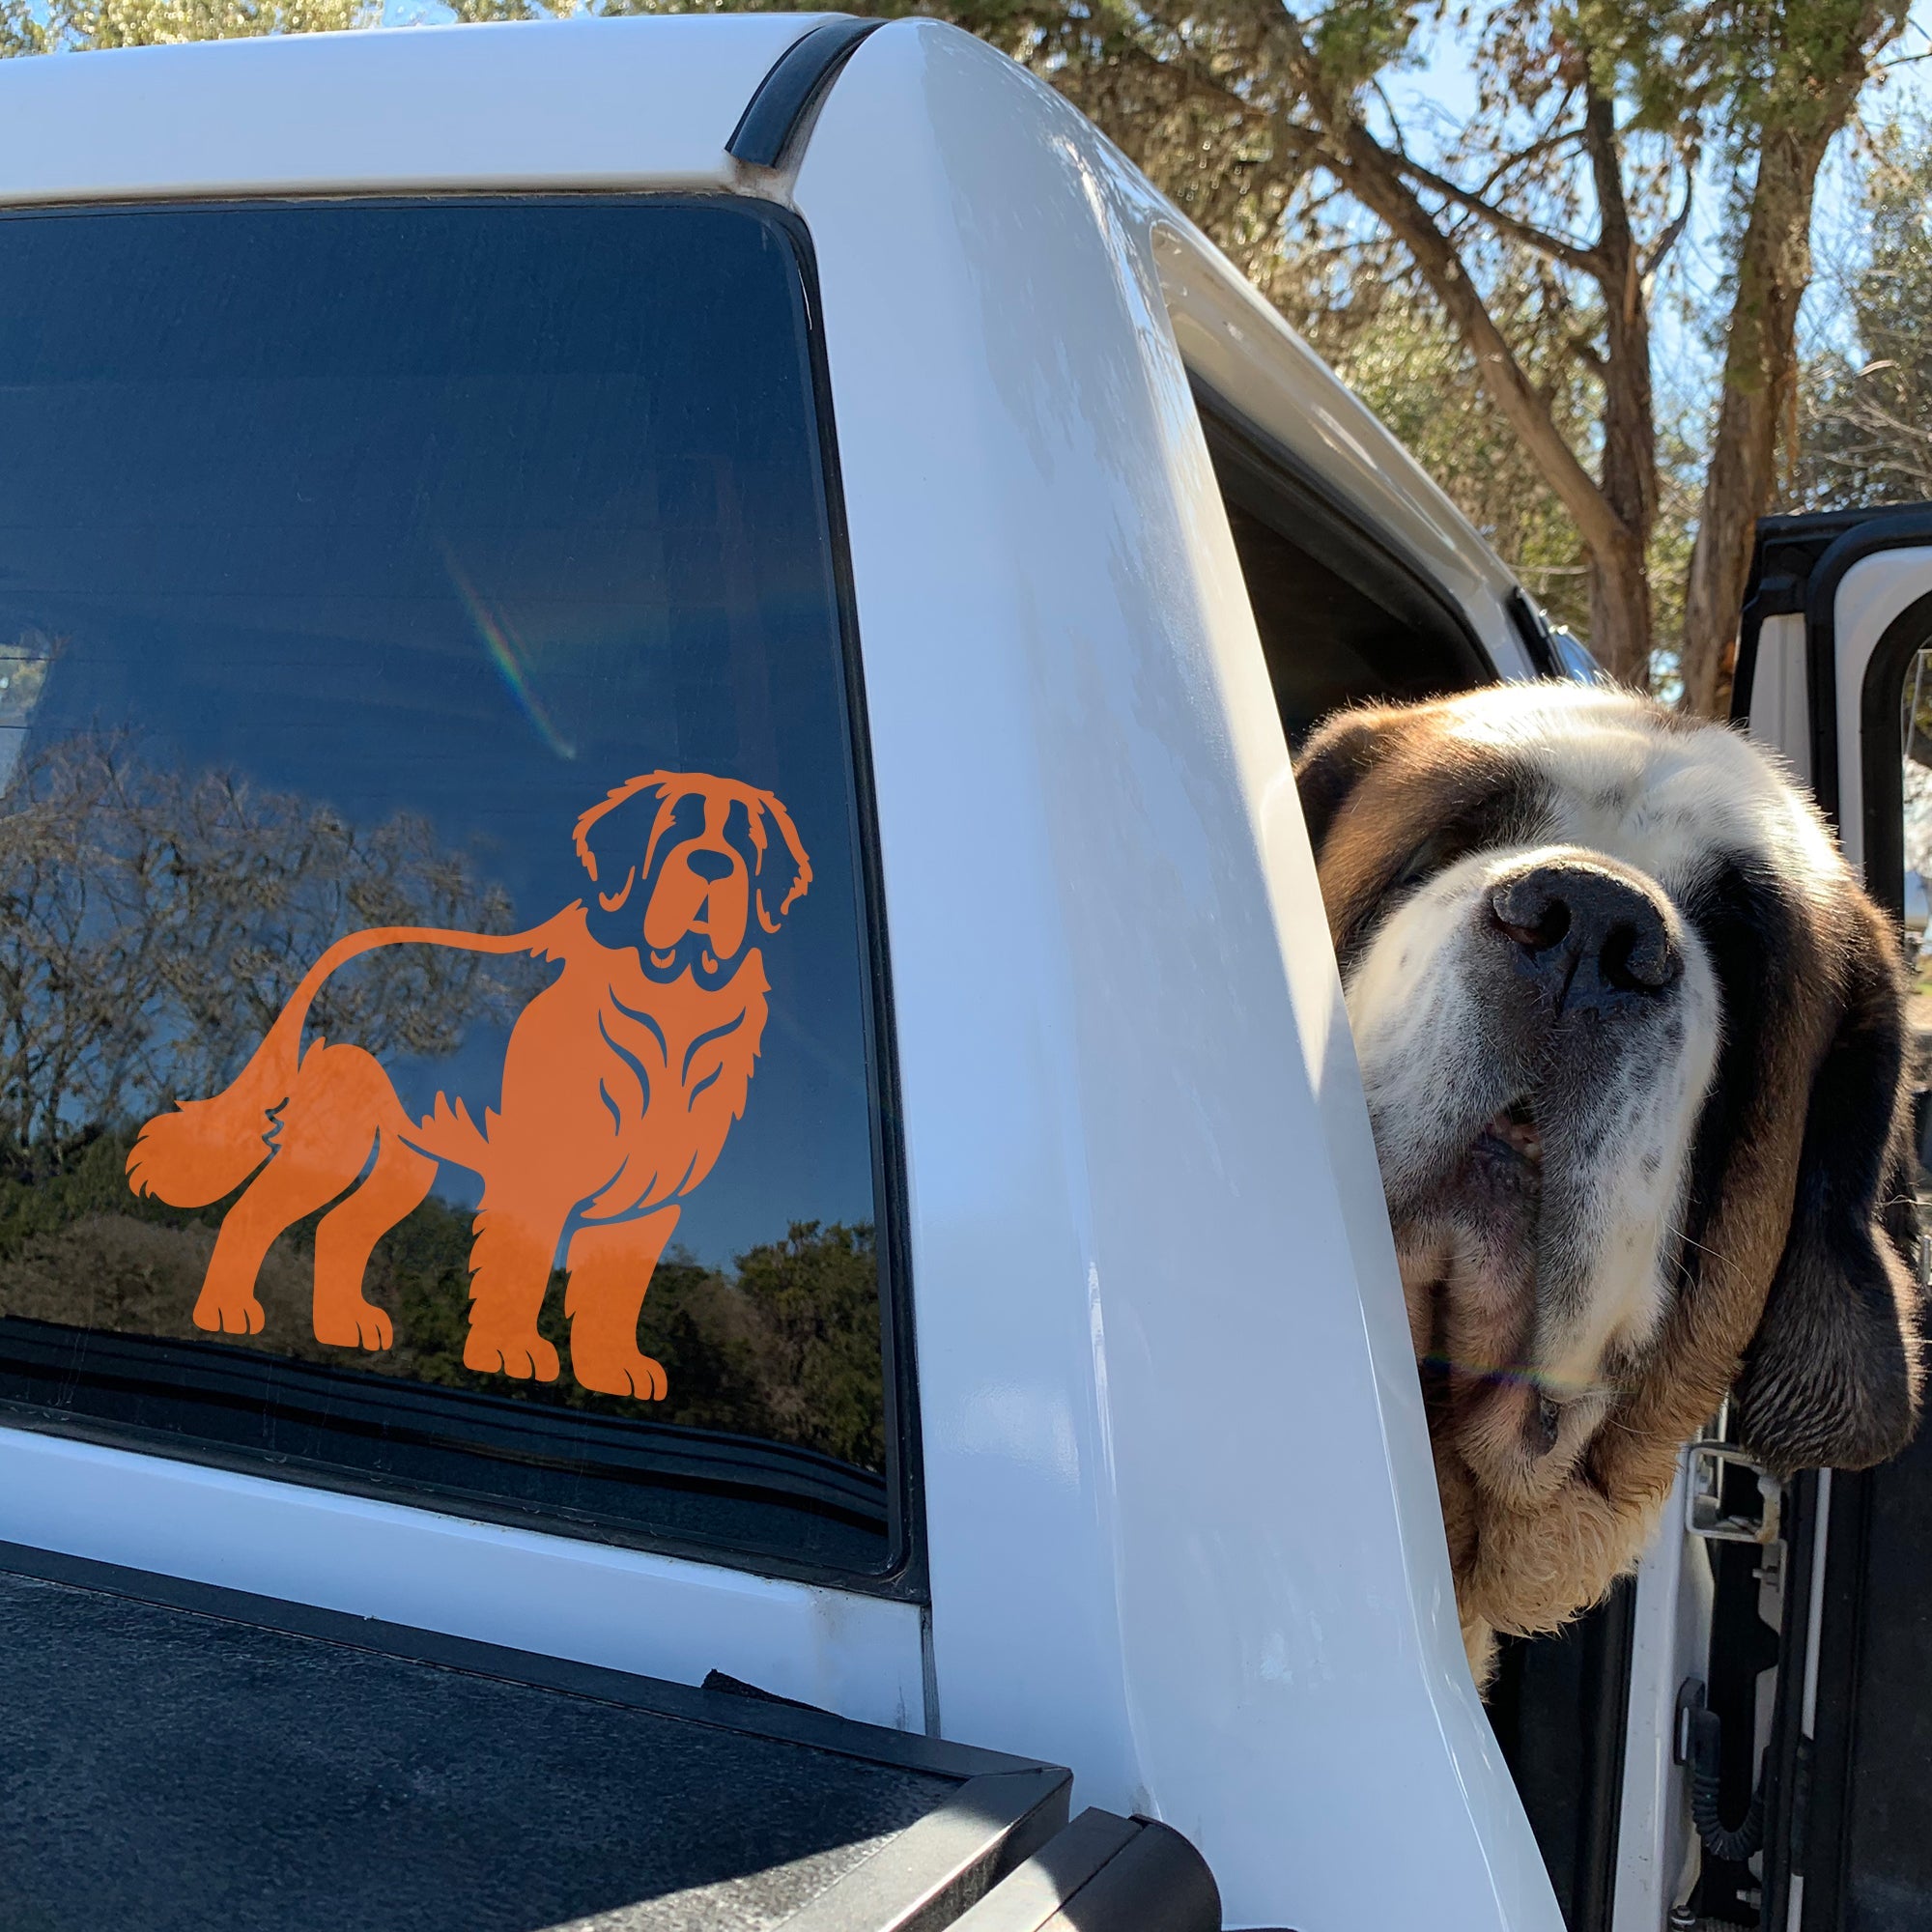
(1423, 860)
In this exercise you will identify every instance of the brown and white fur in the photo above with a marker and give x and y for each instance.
(1635, 1048)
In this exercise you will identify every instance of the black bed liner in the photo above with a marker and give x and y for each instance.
(175, 1756)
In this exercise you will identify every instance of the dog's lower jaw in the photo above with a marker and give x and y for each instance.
(1515, 1547)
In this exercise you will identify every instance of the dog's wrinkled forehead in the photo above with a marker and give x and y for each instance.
(1393, 797)
(1612, 773)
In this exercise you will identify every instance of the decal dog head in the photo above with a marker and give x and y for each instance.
(1633, 1045)
(620, 1082)
(690, 871)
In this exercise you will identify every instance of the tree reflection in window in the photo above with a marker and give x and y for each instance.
(153, 925)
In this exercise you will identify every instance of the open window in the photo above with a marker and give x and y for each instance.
(444, 1022)
(1342, 618)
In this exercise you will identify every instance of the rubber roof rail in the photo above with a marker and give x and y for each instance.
(793, 88)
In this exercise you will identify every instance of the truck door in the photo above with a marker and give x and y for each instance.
(1836, 668)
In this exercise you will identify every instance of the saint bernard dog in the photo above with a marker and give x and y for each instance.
(1635, 1047)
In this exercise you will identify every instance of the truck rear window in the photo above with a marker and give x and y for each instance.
(438, 1045)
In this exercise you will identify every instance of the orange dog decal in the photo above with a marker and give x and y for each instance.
(620, 1082)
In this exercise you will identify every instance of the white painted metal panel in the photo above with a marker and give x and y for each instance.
(557, 1596)
(1184, 1528)
(1874, 591)
(569, 104)
(1780, 713)
(1670, 1640)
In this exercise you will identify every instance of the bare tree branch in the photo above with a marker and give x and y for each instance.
(1661, 248)
(1536, 150)
(1556, 247)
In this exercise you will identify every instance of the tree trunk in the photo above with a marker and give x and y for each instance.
(1612, 515)
(1620, 633)
(1760, 372)
(1620, 636)
(1761, 356)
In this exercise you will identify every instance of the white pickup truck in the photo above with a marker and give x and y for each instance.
(791, 486)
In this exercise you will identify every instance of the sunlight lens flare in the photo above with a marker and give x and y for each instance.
(508, 655)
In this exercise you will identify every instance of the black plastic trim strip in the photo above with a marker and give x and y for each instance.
(1033, 1894)
(1882, 805)
(796, 84)
(1787, 551)
(905, 1495)
(1593, 1893)
(927, 1875)
(1158, 1884)
(1788, 574)
(1894, 530)
(1786, 1853)
(221, 1376)
(1105, 1874)
(1533, 633)
(755, 1717)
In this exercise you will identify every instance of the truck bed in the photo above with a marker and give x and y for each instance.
(175, 1756)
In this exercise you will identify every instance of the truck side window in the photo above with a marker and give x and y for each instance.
(1341, 620)
(437, 970)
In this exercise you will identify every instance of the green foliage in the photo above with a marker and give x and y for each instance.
(1357, 40)
(48, 1189)
(815, 1297)
(153, 925)
(68, 24)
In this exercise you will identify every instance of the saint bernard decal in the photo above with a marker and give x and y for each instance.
(619, 1084)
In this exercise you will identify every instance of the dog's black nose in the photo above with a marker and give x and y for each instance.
(710, 864)
(1587, 937)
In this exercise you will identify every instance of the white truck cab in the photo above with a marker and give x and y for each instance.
(434, 452)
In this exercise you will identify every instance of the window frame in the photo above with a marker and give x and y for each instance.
(903, 1574)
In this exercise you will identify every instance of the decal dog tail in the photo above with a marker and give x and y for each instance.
(206, 1149)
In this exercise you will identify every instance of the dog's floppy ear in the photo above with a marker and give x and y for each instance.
(784, 871)
(615, 839)
(1339, 753)
(1831, 1379)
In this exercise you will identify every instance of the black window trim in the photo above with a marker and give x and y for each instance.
(1798, 564)
(904, 1575)
(776, 119)
(1533, 633)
